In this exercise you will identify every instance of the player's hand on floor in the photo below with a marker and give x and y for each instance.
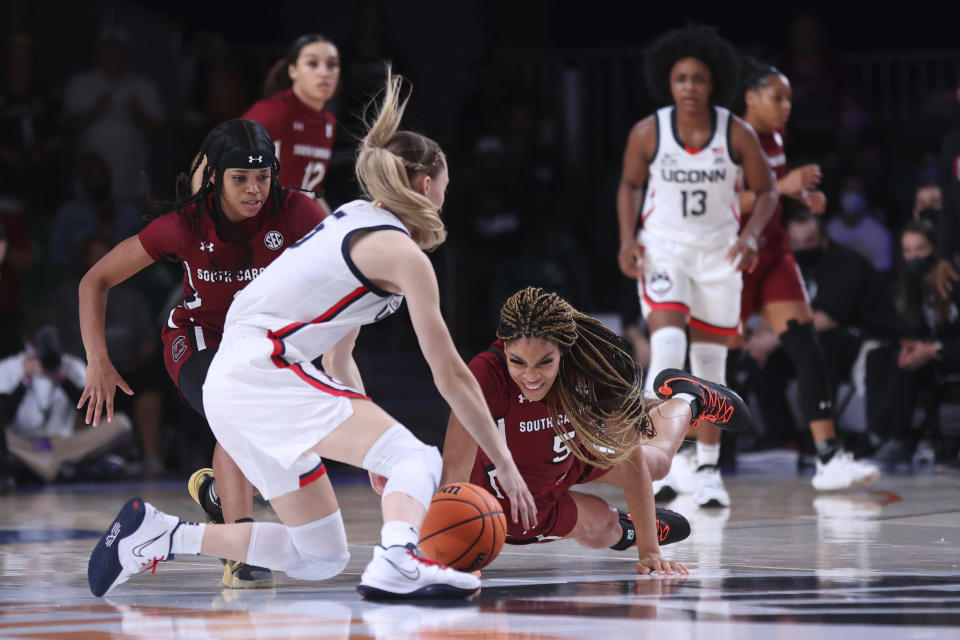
(651, 561)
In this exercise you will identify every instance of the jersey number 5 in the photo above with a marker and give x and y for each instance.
(694, 202)
(313, 175)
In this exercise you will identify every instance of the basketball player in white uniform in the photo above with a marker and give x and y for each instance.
(689, 253)
(275, 413)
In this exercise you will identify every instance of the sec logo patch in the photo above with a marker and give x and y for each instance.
(273, 240)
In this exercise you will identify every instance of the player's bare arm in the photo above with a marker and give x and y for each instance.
(760, 180)
(395, 262)
(641, 145)
(123, 261)
(459, 452)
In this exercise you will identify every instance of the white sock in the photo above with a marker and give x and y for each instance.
(707, 454)
(398, 532)
(668, 350)
(709, 361)
(188, 538)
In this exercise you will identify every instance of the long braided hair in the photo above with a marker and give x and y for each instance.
(231, 135)
(597, 387)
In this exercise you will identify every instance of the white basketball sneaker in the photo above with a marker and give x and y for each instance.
(710, 490)
(397, 572)
(136, 542)
(679, 479)
(843, 472)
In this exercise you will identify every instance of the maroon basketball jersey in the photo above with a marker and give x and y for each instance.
(303, 137)
(773, 237)
(211, 276)
(541, 454)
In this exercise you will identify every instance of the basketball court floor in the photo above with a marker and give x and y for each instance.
(782, 563)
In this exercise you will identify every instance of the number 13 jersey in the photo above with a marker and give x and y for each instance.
(692, 193)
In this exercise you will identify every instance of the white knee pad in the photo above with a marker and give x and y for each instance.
(410, 466)
(709, 361)
(313, 551)
(668, 350)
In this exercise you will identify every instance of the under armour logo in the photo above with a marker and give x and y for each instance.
(259, 159)
(824, 404)
(297, 126)
(206, 246)
(114, 532)
(522, 398)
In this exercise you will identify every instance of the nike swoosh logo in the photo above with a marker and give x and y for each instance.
(137, 549)
(409, 575)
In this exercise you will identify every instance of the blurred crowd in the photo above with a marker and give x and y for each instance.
(84, 166)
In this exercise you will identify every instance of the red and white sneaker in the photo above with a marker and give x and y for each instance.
(136, 542)
(719, 405)
(398, 573)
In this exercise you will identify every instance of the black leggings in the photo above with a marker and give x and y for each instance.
(192, 375)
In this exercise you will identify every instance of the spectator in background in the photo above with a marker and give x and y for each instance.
(856, 228)
(928, 201)
(850, 302)
(131, 344)
(945, 273)
(113, 113)
(39, 391)
(27, 133)
(918, 364)
(94, 210)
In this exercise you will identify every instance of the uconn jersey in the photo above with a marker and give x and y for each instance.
(692, 194)
(313, 294)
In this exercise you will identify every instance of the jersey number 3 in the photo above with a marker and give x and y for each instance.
(694, 202)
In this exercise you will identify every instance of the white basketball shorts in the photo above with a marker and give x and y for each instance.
(698, 281)
(268, 416)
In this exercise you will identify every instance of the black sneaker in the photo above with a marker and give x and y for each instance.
(719, 405)
(199, 488)
(671, 527)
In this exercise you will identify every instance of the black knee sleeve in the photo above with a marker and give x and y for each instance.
(192, 374)
(816, 395)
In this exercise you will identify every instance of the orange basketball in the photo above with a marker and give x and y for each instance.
(464, 528)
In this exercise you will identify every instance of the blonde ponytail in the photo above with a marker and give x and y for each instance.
(389, 160)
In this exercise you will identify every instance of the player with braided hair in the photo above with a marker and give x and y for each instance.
(691, 249)
(224, 235)
(566, 395)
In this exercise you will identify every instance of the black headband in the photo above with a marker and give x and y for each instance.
(249, 159)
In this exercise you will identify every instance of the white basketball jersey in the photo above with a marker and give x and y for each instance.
(692, 194)
(313, 294)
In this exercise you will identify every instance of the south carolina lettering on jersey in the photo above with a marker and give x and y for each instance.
(225, 275)
(541, 424)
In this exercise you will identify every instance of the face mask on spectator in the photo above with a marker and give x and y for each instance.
(854, 203)
(918, 267)
(808, 258)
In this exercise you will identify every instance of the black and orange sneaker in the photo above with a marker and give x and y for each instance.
(718, 405)
(671, 527)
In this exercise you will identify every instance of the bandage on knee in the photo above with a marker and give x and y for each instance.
(410, 466)
(313, 551)
(816, 394)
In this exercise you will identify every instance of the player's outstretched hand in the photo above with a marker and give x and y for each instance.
(523, 509)
(631, 259)
(651, 561)
(101, 385)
